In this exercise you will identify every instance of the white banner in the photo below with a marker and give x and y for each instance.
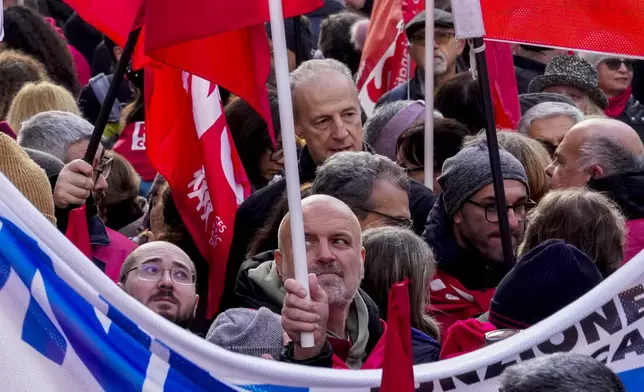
(65, 326)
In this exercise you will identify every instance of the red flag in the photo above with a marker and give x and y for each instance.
(594, 25)
(503, 84)
(114, 18)
(189, 143)
(220, 42)
(78, 232)
(398, 368)
(385, 60)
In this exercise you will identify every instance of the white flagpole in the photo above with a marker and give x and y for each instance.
(290, 152)
(429, 94)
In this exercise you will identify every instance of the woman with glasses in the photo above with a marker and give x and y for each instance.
(262, 161)
(615, 79)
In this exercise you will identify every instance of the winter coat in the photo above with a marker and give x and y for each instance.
(254, 211)
(633, 115)
(465, 336)
(627, 190)
(250, 294)
(400, 92)
(526, 70)
(465, 280)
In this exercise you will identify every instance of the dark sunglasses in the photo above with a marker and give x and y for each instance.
(440, 37)
(615, 64)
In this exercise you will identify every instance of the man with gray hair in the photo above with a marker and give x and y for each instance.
(373, 186)
(606, 156)
(327, 115)
(548, 123)
(561, 372)
(63, 135)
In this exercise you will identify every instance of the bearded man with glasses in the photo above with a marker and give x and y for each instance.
(446, 51)
(162, 277)
(463, 231)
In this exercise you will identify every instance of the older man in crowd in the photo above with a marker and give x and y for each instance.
(548, 123)
(162, 277)
(605, 155)
(327, 117)
(446, 51)
(463, 231)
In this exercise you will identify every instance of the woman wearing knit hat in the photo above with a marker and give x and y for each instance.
(615, 78)
(575, 78)
(545, 280)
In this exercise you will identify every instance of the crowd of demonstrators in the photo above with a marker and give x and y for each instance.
(572, 171)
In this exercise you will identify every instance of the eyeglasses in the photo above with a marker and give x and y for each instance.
(492, 216)
(394, 220)
(615, 64)
(414, 169)
(104, 168)
(278, 154)
(152, 272)
(441, 37)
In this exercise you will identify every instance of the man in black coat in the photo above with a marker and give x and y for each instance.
(327, 116)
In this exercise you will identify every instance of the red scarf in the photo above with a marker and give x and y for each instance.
(617, 104)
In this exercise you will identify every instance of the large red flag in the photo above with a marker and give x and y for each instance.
(114, 18)
(189, 143)
(385, 62)
(219, 41)
(594, 25)
(77, 231)
(398, 368)
(503, 84)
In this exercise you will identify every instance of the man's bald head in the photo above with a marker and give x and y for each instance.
(312, 207)
(593, 149)
(615, 131)
(150, 250)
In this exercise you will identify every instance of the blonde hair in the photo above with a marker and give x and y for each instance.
(592, 109)
(585, 219)
(35, 98)
(533, 156)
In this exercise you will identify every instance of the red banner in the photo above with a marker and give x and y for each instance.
(385, 60)
(188, 141)
(593, 25)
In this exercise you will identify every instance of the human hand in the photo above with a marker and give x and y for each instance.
(302, 315)
(74, 184)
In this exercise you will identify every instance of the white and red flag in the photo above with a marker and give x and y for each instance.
(385, 60)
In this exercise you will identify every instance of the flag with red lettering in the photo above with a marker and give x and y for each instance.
(592, 25)
(398, 367)
(189, 143)
(385, 61)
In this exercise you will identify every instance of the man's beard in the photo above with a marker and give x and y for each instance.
(335, 288)
(182, 318)
(476, 242)
(440, 64)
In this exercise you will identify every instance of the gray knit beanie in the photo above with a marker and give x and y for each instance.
(248, 331)
(469, 171)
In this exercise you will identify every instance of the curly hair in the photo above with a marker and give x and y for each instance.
(16, 69)
(26, 31)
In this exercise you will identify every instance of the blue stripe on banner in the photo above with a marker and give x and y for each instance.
(633, 379)
(272, 388)
(186, 376)
(38, 330)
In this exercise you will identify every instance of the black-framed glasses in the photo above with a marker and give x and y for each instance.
(441, 37)
(104, 168)
(615, 64)
(152, 272)
(394, 220)
(414, 169)
(491, 212)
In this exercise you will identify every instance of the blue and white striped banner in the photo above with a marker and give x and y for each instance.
(64, 326)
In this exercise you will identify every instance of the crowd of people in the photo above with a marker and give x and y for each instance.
(572, 171)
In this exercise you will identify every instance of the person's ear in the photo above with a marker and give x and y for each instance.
(363, 253)
(194, 311)
(596, 171)
(279, 258)
(460, 46)
(458, 217)
(118, 52)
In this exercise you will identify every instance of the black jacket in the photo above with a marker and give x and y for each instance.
(254, 211)
(626, 190)
(474, 271)
(399, 93)
(633, 115)
(249, 295)
(526, 70)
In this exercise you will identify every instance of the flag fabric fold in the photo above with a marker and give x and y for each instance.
(398, 368)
